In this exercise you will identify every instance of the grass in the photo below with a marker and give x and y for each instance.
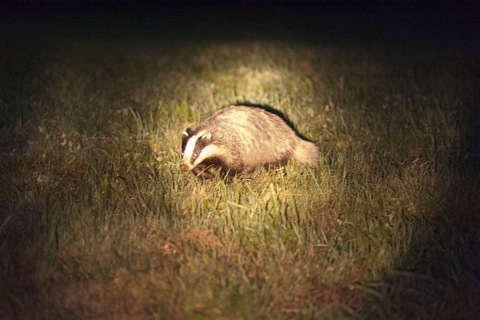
(97, 220)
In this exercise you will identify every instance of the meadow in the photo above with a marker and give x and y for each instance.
(97, 221)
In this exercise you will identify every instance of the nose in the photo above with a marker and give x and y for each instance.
(184, 167)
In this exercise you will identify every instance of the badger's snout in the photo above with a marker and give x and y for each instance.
(183, 167)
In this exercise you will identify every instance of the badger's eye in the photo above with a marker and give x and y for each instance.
(183, 154)
(195, 155)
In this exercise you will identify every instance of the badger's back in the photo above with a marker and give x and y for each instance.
(243, 138)
(262, 137)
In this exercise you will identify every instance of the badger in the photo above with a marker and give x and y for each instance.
(238, 139)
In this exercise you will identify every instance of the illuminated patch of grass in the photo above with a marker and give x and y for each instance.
(97, 220)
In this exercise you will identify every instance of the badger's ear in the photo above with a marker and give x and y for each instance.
(187, 133)
(207, 138)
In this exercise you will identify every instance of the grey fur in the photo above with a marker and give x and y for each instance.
(243, 138)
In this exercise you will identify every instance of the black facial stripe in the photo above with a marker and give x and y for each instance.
(200, 144)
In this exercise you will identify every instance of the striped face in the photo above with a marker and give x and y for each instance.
(196, 148)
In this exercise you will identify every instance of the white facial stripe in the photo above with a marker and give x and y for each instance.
(189, 147)
(191, 144)
(207, 152)
(188, 152)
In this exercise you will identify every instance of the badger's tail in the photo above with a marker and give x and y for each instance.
(307, 153)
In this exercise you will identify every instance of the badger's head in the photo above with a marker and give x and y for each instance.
(199, 153)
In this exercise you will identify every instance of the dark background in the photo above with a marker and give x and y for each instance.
(396, 22)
